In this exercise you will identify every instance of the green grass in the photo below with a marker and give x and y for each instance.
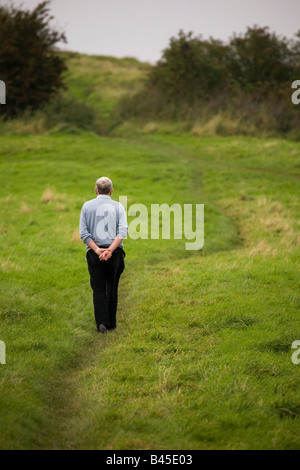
(201, 358)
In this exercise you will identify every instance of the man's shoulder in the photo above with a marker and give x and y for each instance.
(110, 201)
(98, 201)
(116, 203)
(91, 202)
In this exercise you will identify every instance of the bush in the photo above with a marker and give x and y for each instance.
(246, 82)
(256, 62)
(261, 61)
(66, 110)
(191, 69)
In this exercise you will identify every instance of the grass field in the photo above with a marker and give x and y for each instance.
(201, 358)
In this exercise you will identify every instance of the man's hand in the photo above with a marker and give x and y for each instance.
(104, 254)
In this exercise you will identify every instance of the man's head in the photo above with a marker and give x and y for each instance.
(104, 186)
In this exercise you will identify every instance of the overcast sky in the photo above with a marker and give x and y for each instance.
(142, 28)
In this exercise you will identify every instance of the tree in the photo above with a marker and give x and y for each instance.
(29, 63)
(260, 60)
(191, 68)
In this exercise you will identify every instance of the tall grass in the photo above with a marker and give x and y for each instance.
(224, 115)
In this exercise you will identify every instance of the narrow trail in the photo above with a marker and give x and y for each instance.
(62, 390)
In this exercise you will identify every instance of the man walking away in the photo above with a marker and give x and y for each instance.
(103, 226)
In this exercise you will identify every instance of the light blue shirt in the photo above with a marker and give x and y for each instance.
(102, 219)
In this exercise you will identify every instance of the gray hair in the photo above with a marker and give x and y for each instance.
(104, 185)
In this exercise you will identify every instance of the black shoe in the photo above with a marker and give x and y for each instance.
(102, 328)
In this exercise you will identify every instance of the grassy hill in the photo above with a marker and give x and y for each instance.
(94, 85)
(201, 358)
(102, 80)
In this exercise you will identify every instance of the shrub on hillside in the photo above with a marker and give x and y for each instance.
(248, 79)
(192, 68)
(67, 110)
(261, 61)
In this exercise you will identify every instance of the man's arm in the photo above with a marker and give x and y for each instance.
(84, 232)
(109, 251)
(95, 247)
(122, 231)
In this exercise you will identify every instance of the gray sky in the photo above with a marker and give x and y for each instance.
(142, 28)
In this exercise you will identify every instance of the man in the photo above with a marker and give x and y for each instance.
(103, 226)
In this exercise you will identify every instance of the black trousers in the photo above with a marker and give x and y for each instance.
(104, 277)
